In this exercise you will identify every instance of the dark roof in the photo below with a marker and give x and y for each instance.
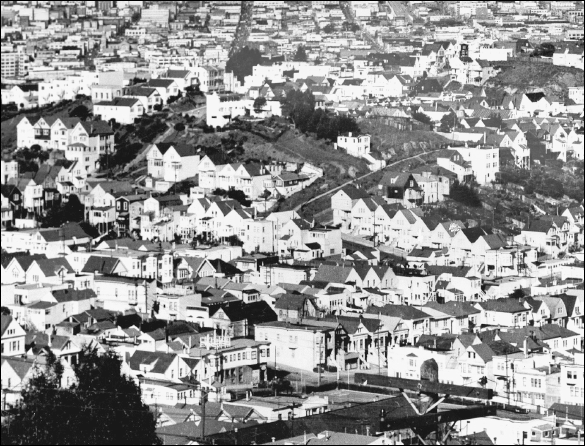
(506, 305)
(69, 295)
(354, 193)
(402, 311)
(254, 312)
(165, 83)
(103, 265)
(162, 361)
(455, 271)
(225, 268)
(473, 234)
(5, 322)
(291, 301)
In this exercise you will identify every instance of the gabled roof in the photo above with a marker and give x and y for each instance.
(332, 273)
(161, 361)
(292, 302)
(5, 319)
(101, 264)
(50, 267)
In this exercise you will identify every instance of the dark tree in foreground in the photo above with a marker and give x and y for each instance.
(421, 117)
(104, 407)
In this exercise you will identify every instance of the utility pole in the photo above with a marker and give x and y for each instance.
(203, 401)
(319, 361)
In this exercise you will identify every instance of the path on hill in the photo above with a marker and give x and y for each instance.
(142, 154)
(335, 189)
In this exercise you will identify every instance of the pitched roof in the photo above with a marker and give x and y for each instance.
(405, 312)
(292, 302)
(161, 361)
(332, 273)
(101, 264)
(50, 267)
(506, 305)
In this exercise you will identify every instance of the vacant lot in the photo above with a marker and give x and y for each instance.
(305, 149)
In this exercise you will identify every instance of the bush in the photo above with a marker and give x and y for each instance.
(179, 127)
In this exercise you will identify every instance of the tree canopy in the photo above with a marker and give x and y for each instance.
(301, 54)
(300, 108)
(81, 112)
(425, 119)
(448, 122)
(242, 62)
(102, 407)
(259, 104)
(72, 211)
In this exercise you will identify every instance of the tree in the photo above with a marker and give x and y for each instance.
(81, 112)
(465, 195)
(259, 104)
(518, 293)
(72, 211)
(425, 119)
(242, 62)
(301, 54)
(448, 122)
(179, 127)
(103, 407)
(329, 29)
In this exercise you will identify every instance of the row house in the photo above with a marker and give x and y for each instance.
(549, 234)
(251, 179)
(172, 162)
(296, 235)
(342, 203)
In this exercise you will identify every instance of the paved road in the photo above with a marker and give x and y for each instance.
(330, 191)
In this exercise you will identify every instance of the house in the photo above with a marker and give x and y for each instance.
(413, 321)
(149, 97)
(241, 320)
(13, 337)
(172, 162)
(298, 345)
(504, 313)
(357, 146)
(295, 307)
(342, 203)
(122, 110)
(549, 234)
(158, 365)
(183, 78)
(165, 88)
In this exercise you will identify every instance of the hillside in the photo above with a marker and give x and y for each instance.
(525, 77)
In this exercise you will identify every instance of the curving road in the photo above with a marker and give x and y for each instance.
(335, 189)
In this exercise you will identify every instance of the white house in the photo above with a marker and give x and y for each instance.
(121, 110)
(357, 146)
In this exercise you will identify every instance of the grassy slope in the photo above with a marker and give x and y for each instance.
(534, 76)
